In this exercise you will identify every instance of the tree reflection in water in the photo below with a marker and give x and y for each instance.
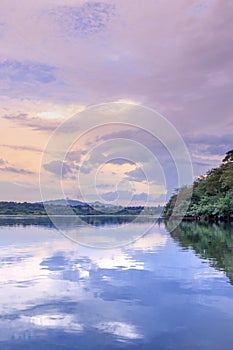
(209, 241)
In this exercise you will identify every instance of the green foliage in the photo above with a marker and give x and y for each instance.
(229, 157)
(14, 208)
(212, 194)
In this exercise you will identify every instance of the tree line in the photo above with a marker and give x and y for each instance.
(209, 197)
(18, 208)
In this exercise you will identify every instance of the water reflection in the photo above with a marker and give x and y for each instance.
(71, 221)
(92, 231)
(210, 241)
(150, 294)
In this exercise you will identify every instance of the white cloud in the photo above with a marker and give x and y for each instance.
(122, 330)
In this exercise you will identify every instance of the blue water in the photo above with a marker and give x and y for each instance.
(153, 293)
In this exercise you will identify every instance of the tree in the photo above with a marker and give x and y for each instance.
(212, 194)
(228, 157)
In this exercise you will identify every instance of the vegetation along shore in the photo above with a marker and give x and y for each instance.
(209, 198)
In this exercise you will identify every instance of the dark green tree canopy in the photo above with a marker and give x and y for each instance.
(212, 194)
(228, 157)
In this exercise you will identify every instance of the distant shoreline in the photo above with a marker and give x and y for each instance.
(43, 210)
(77, 215)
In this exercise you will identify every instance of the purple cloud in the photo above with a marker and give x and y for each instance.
(34, 123)
(58, 168)
(186, 75)
(177, 59)
(20, 171)
(22, 148)
(6, 166)
(84, 19)
(136, 175)
(119, 161)
(26, 72)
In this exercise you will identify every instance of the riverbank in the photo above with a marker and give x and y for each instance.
(210, 198)
(201, 218)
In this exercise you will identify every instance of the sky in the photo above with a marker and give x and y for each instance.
(58, 58)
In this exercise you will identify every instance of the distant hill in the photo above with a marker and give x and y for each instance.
(62, 207)
(64, 202)
(74, 203)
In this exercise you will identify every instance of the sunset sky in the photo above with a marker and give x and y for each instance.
(59, 57)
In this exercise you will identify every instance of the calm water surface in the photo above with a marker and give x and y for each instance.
(160, 292)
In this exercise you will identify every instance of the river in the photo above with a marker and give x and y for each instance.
(160, 291)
